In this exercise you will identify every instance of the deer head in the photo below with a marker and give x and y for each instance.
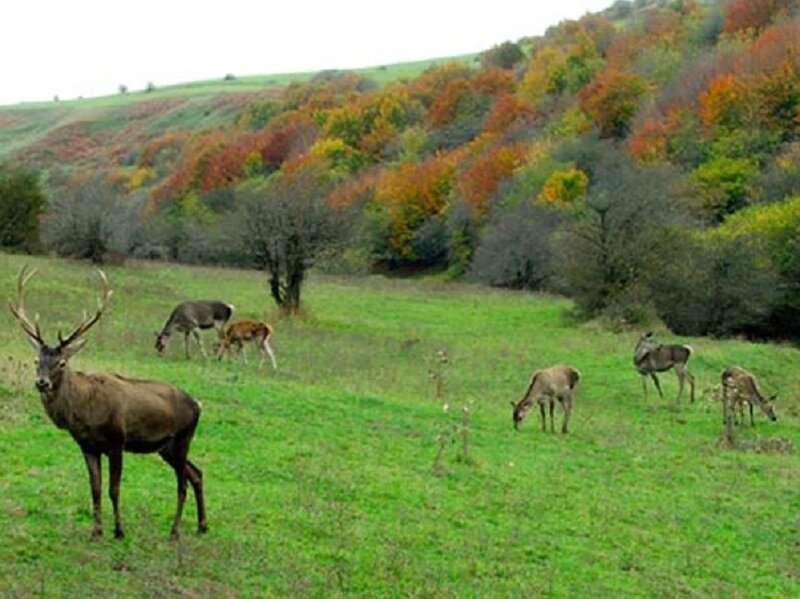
(768, 407)
(52, 360)
(520, 411)
(644, 345)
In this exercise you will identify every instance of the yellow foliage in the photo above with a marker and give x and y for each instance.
(563, 188)
(546, 71)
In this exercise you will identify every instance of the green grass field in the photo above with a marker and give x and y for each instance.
(320, 478)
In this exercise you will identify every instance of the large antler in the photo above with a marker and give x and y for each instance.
(32, 329)
(89, 322)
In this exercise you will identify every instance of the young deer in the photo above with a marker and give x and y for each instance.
(650, 357)
(188, 317)
(248, 330)
(548, 385)
(110, 414)
(739, 387)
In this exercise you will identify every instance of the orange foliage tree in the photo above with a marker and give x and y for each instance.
(742, 15)
(481, 180)
(412, 194)
(612, 99)
(728, 102)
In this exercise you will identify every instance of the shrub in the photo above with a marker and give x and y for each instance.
(21, 203)
(516, 249)
(712, 287)
(91, 221)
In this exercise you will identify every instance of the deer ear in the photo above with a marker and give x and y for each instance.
(774, 397)
(72, 349)
(649, 334)
(513, 405)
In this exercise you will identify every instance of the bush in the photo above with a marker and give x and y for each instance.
(712, 287)
(21, 203)
(503, 56)
(91, 221)
(623, 231)
(516, 249)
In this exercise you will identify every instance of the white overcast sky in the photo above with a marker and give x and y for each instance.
(89, 47)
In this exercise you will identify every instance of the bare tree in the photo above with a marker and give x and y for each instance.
(287, 225)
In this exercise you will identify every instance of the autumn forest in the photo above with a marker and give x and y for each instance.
(644, 161)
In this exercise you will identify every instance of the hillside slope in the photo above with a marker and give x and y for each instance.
(321, 477)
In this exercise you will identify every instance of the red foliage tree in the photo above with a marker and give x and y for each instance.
(480, 181)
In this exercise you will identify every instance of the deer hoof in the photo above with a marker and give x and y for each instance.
(97, 533)
(202, 528)
(119, 533)
(174, 535)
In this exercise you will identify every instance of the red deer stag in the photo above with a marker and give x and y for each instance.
(548, 385)
(248, 330)
(739, 387)
(109, 414)
(650, 357)
(188, 317)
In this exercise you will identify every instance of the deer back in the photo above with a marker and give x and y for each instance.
(104, 409)
(202, 313)
(663, 358)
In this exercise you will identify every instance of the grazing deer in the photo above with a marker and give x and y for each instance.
(248, 330)
(110, 414)
(188, 317)
(650, 357)
(739, 387)
(548, 385)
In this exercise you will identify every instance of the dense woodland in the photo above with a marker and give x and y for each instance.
(644, 161)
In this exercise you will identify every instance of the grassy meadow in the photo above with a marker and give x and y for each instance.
(320, 477)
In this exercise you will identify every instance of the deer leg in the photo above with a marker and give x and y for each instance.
(658, 385)
(566, 405)
(95, 476)
(115, 468)
(544, 417)
(199, 343)
(177, 459)
(690, 376)
(727, 415)
(644, 386)
(752, 422)
(268, 348)
(681, 372)
(195, 476)
(552, 409)
(243, 349)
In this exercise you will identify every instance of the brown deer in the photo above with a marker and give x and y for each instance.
(248, 330)
(650, 357)
(110, 414)
(740, 387)
(188, 317)
(548, 385)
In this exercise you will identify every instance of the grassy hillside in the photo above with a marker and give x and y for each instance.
(189, 107)
(320, 478)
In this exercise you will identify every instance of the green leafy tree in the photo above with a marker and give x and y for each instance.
(22, 202)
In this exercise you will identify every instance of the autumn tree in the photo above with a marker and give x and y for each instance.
(612, 99)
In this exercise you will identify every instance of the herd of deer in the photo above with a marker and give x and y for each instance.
(111, 414)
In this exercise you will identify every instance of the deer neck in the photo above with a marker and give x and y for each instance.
(58, 401)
